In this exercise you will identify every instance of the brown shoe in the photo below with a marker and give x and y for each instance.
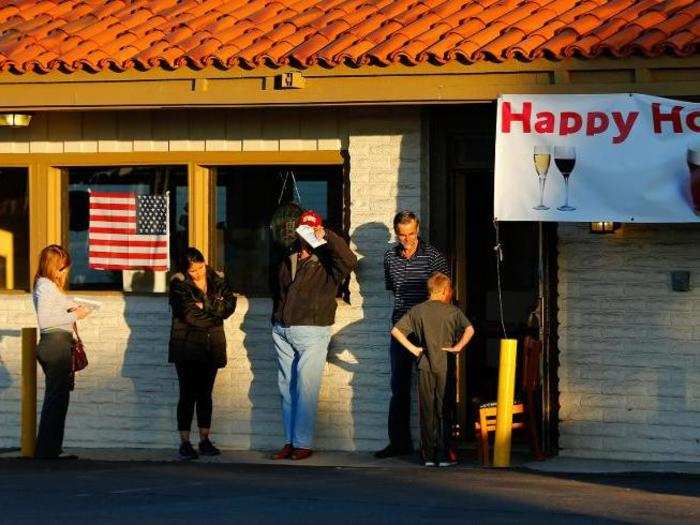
(284, 453)
(301, 453)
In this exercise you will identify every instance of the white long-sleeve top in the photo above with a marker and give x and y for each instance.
(51, 306)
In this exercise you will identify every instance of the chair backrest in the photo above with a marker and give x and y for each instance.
(532, 352)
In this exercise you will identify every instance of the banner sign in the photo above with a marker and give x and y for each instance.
(586, 158)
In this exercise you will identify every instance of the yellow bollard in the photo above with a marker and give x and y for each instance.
(504, 412)
(28, 439)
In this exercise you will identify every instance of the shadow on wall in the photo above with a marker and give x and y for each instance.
(265, 431)
(353, 349)
(148, 410)
(5, 376)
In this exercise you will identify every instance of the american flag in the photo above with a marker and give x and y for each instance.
(128, 232)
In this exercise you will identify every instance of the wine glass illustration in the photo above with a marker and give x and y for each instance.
(542, 158)
(565, 159)
(694, 172)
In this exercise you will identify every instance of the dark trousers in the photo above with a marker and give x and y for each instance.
(402, 363)
(433, 419)
(54, 356)
(196, 385)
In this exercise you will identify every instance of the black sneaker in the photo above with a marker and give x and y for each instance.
(187, 451)
(207, 448)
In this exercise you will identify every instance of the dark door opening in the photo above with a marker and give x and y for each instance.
(461, 224)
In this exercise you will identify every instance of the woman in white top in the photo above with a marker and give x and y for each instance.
(56, 314)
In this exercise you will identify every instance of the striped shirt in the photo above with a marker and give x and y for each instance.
(407, 278)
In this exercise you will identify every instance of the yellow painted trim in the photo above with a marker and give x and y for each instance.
(37, 213)
(54, 206)
(451, 83)
(48, 186)
(203, 158)
(199, 183)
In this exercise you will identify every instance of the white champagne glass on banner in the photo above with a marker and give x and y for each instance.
(541, 157)
(565, 159)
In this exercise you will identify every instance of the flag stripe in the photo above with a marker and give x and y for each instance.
(112, 206)
(125, 261)
(109, 195)
(110, 266)
(102, 229)
(126, 237)
(94, 254)
(113, 213)
(128, 242)
(112, 218)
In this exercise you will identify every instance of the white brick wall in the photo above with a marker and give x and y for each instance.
(629, 377)
(127, 396)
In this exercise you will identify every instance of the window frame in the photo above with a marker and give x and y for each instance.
(341, 226)
(48, 189)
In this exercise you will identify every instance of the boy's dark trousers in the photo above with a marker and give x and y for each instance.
(54, 355)
(433, 420)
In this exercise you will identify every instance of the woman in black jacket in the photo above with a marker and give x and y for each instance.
(200, 299)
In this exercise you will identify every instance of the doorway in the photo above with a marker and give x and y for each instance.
(462, 144)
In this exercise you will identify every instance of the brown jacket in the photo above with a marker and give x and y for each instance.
(308, 299)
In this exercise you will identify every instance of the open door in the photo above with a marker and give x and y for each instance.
(461, 224)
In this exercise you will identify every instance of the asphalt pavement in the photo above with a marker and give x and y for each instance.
(98, 491)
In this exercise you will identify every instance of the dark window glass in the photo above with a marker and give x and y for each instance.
(246, 199)
(141, 180)
(14, 229)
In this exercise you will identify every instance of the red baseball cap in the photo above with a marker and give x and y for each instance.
(310, 218)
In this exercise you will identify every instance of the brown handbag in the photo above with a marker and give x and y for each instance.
(80, 359)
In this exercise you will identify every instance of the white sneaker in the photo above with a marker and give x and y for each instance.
(447, 463)
(428, 464)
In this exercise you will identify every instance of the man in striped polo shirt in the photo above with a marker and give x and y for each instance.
(407, 267)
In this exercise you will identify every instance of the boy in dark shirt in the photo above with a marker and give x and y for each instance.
(439, 328)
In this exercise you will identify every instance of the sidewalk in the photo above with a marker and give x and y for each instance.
(563, 465)
(248, 457)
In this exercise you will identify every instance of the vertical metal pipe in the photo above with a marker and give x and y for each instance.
(28, 403)
(504, 411)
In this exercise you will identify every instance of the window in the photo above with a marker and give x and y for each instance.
(246, 199)
(14, 229)
(140, 180)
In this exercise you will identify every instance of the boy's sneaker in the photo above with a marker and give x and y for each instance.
(447, 463)
(207, 448)
(428, 463)
(187, 451)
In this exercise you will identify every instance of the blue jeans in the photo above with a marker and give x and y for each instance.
(301, 357)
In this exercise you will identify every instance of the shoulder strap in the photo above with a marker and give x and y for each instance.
(75, 329)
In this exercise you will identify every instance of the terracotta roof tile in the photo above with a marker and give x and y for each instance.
(43, 35)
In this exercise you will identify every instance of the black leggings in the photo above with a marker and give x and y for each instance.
(196, 384)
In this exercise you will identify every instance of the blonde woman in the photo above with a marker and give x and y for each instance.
(56, 314)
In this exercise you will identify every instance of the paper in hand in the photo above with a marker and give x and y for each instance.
(307, 233)
(88, 303)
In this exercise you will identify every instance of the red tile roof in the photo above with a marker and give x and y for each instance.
(44, 35)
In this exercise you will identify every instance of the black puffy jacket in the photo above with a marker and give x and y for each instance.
(197, 334)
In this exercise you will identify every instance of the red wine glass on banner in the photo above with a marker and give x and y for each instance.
(694, 169)
(565, 159)
(541, 157)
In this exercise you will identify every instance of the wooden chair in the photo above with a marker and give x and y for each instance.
(530, 380)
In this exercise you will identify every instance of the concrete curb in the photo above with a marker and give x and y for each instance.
(565, 465)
